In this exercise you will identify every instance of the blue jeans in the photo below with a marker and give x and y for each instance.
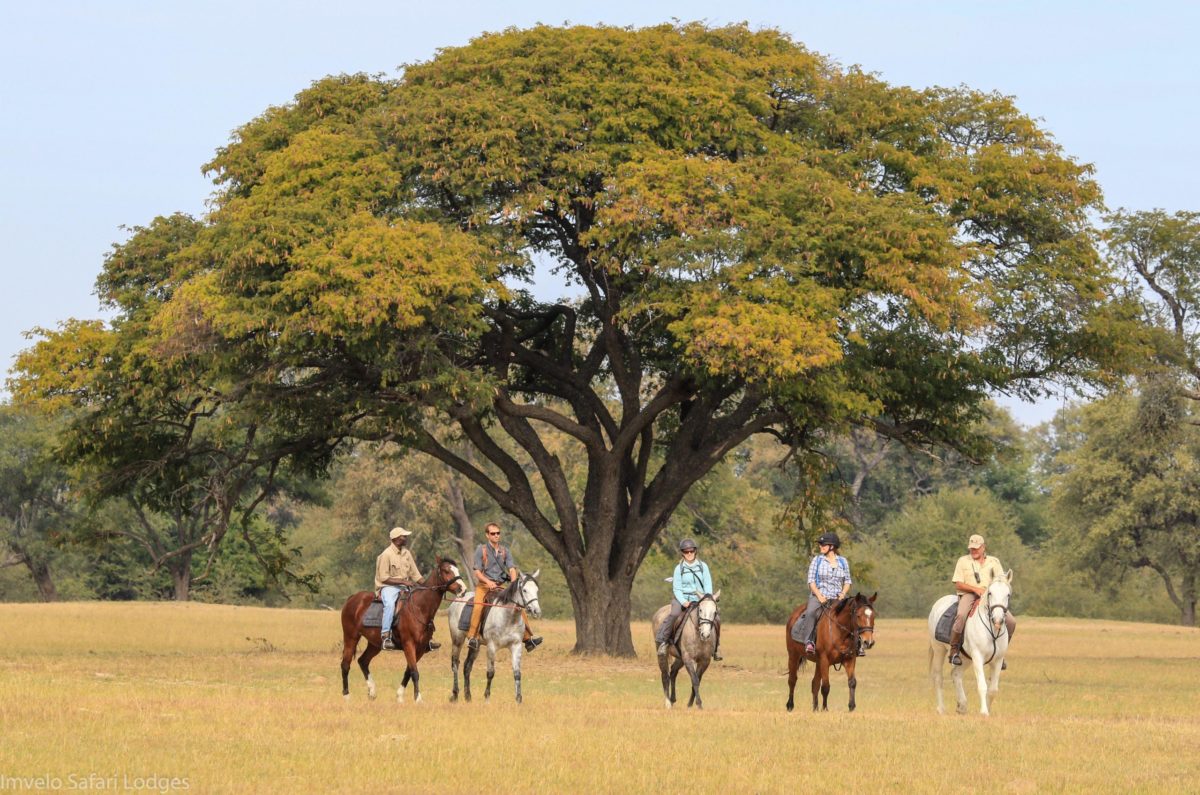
(802, 629)
(389, 594)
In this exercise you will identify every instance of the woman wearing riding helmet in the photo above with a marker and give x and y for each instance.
(691, 577)
(828, 578)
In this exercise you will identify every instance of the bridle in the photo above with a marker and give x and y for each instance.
(701, 622)
(525, 603)
(857, 630)
(986, 616)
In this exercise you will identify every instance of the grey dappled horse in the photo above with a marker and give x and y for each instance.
(503, 629)
(697, 643)
(985, 639)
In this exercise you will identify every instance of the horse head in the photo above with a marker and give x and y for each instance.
(527, 587)
(448, 576)
(863, 619)
(706, 613)
(998, 595)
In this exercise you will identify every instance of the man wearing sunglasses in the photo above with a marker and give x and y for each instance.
(494, 566)
(973, 573)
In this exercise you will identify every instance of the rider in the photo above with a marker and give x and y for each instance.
(691, 577)
(494, 565)
(394, 568)
(973, 573)
(828, 578)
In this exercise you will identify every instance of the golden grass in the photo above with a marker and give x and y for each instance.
(238, 699)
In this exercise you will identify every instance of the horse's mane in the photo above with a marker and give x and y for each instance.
(509, 593)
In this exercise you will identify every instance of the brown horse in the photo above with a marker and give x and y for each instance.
(842, 630)
(414, 627)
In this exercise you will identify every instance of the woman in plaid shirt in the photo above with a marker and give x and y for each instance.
(828, 578)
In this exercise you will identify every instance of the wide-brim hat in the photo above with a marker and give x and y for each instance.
(398, 532)
(975, 542)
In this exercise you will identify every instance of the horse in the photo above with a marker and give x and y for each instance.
(414, 627)
(985, 641)
(504, 629)
(697, 642)
(842, 631)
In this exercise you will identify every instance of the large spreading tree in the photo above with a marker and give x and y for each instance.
(729, 234)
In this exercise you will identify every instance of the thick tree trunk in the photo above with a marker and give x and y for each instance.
(43, 580)
(464, 528)
(1187, 606)
(602, 612)
(181, 577)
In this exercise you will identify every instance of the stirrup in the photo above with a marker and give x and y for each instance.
(663, 649)
(473, 643)
(717, 656)
(388, 643)
(955, 659)
(810, 648)
(434, 645)
(533, 643)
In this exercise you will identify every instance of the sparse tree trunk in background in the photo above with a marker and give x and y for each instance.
(464, 529)
(181, 576)
(41, 577)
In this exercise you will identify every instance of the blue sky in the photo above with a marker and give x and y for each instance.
(109, 108)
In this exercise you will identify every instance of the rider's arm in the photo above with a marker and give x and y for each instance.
(677, 586)
(846, 583)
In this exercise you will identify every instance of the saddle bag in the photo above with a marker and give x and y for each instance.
(941, 632)
(464, 618)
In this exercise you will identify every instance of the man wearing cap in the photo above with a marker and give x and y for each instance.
(973, 573)
(394, 567)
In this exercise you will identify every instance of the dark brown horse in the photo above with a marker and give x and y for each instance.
(414, 627)
(842, 630)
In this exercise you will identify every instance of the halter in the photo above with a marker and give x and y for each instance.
(985, 619)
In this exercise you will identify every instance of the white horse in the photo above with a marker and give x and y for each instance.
(985, 639)
(504, 628)
(697, 643)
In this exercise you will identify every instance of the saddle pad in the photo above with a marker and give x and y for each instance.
(942, 631)
(374, 615)
(464, 619)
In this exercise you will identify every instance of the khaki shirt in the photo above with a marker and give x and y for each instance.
(989, 571)
(394, 562)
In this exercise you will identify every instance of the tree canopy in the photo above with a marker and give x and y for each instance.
(746, 237)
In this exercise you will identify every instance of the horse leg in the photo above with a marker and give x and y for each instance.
(794, 655)
(467, 666)
(348, 647)
(691, 669)
(364, 662)
(516, 666)
(816, 679)
(851, 679)
(410, 672)
(455, 651)
(697, 672)
(666, 679)
(487, 691)
(960, 694)
(937, 661)
(675, 666)
(994, 681)
(981, 683)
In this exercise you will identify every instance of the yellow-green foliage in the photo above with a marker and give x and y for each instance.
(248, 700)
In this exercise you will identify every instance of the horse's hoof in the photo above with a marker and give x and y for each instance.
(453, 697)
(417, 700)
(668, 702)
(941, 710)
(961, 709)
(790, 706)
(345, 696)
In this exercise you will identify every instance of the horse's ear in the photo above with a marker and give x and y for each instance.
(872, 598)
(536, 572)
(717, 595)
(1008, 577)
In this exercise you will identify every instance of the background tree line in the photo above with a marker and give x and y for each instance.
(786, 290)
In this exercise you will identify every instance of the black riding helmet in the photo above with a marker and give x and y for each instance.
(830, 538)
(686, 544)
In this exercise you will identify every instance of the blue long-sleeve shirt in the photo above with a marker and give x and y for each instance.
(690, 578)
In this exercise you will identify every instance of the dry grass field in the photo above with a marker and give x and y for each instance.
(113, 697)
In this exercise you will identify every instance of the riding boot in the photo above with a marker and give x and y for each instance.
(955, 647)
(434, 645)
(533, 643)
(473, 643)
(388, 645)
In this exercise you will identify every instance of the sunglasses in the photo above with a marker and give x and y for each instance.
(493, 533)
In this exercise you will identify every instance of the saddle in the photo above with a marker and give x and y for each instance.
(373, 617)
(464, 620)
(941, 632)
(677, 631)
